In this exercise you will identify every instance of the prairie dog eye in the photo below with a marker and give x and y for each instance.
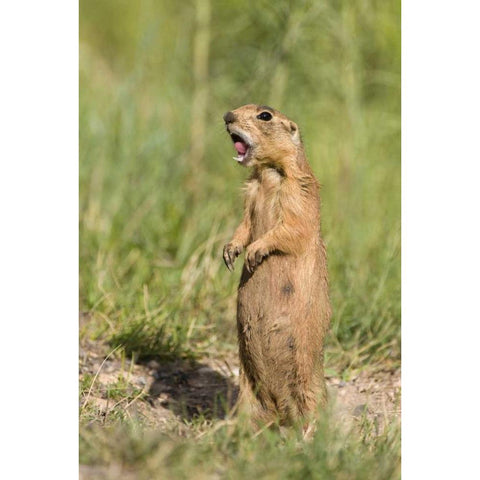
(264, 116)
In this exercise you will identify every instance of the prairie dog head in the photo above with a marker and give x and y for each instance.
(261, 134)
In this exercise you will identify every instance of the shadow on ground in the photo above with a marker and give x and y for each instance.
(190, 389)
(164, 393)
(185, 387)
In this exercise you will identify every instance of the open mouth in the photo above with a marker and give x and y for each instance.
(241, 146)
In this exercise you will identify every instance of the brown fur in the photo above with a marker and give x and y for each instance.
(283, 310)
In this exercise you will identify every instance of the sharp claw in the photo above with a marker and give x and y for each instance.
(250, 264)
(226, 259)
(229, 258)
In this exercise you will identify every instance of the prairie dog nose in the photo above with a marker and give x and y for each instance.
(229, 117)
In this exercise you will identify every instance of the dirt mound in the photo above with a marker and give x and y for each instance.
(165, 394)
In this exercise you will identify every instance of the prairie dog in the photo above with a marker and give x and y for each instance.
(283, 309)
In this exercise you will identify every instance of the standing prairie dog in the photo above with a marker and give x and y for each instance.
(283, 309)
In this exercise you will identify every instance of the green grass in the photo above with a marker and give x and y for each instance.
(154, 216)
(228, 451)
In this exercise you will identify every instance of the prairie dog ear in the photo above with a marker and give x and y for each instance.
(294, 132)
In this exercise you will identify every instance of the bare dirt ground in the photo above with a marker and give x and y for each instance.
(166, 395)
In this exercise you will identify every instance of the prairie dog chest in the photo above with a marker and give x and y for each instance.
(262, 196)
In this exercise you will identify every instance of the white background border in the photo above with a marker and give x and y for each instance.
(39, 239)
(440, 239)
